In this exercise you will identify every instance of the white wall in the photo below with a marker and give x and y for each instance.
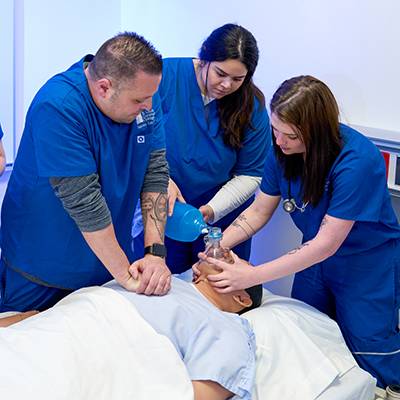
(7, 76)
(351, 45)
(55, 34)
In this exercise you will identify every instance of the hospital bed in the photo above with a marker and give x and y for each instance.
(95, 345)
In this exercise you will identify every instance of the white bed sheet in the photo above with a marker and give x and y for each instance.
(93, 345)
(355, 384)
(104, 354)
(302, 355)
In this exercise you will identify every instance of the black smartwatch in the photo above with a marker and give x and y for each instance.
(156, 249)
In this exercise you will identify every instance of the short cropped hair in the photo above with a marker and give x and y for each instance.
(122, 56)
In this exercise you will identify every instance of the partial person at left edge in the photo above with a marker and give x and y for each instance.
(2, 154)
(93, 143)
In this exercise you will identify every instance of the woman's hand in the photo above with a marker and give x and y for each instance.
(236, 276)
(207, 212)
(173, 194)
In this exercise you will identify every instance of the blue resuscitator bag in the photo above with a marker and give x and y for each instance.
(186, 223)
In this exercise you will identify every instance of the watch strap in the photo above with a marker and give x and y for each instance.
(156, 249)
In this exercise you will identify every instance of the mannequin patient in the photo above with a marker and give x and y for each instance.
(204, 327)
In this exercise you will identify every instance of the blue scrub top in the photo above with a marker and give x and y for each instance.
(66, 135)
(200, 163)
(355, 189)
(1, 133)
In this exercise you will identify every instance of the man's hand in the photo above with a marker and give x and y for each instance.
(155, 277)
(129, 282)
(173, 194)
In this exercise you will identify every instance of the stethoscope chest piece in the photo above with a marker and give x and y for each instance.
(289, 205)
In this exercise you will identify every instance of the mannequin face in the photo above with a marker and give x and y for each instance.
(233, 302)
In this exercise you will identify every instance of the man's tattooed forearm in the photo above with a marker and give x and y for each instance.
(161, 207)
(155, 209)
(147, 206)
(298, 248)
(159, 230)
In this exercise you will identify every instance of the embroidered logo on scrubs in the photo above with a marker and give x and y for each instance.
(145, 119)
(140, 139)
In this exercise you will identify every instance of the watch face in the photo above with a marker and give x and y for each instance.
(156, 249)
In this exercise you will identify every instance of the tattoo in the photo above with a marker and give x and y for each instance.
(298, 248)
(161, 207)
(323, 222)
(155, 209)
(241, 223)
(147, 206)
(160, 233)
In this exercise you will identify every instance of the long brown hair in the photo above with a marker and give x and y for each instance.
(233, 42)
(308, 105)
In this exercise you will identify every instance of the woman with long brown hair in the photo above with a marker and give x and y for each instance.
(332, 180)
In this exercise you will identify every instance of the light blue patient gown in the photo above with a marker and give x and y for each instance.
(214, 345)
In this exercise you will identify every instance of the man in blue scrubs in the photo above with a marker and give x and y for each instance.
(332, 181)
(92, 144)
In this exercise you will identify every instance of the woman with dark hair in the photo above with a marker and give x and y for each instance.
(217, 132)
(333, 182)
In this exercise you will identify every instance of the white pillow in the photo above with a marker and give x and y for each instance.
(300, 351)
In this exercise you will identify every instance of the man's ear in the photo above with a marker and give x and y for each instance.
(103, 87)
(243, 299)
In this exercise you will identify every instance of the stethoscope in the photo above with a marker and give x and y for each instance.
(289, 204)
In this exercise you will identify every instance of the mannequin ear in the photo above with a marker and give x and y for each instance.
(243, 299)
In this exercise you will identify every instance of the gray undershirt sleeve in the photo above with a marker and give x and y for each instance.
(157, 173)
(81, 197)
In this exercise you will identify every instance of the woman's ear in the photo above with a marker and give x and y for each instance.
(243, 298)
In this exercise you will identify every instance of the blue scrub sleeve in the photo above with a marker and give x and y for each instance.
(270, 180)
(256, 144)
(358, 186)
(158, 141)
(61, 143)
(1, 133)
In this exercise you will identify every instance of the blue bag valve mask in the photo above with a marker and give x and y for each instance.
(186, 223)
